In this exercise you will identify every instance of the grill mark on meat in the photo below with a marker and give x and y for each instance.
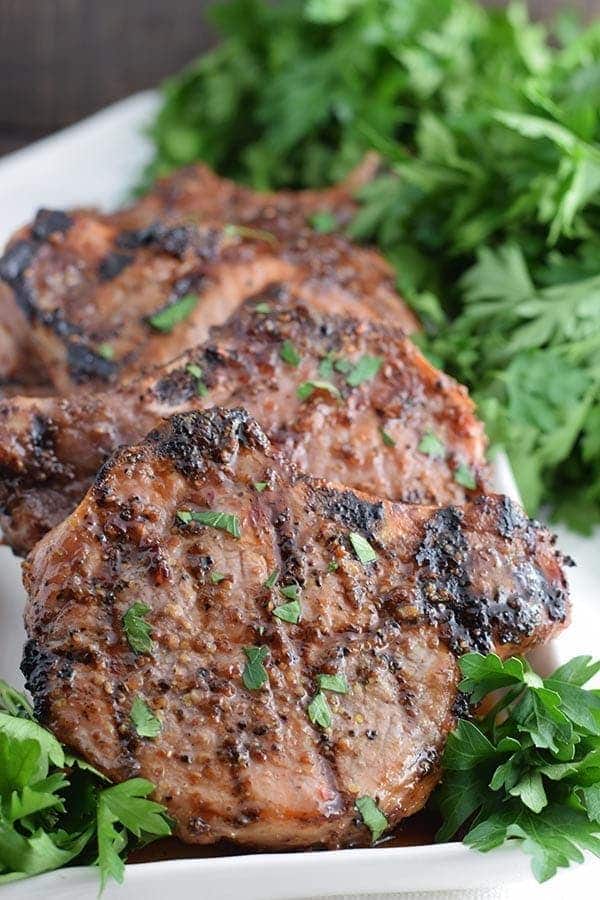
(113, 264)
(20, 256)
(50, 221)
(37, 666)
(13, 266)
(197, 437)
(511, 518)
(467, 620)
(353, 512)
(87, 365)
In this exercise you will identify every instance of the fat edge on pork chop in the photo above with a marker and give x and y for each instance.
(301, 639)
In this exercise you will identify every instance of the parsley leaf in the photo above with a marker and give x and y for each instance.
(271, 581)
(323, 221)
(125, 805)
(362, 548)
(225, 521)
(308, 388)
(291, 591)
(145, 722)
(262, 309)
(336, 683)
(255, 675)
(217, 577)
(289, 612)
(260, 486)
(464, 475)
(527, 769)
(387, 439)
(137, 630)
(366, 368)
(431, 445)
(319, 712)
(196, 372)
(106, 351)
(372, 816)
(166, 319)
(289, 354)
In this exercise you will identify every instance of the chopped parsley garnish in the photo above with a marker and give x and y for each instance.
(196, 373)
(387, 439)
(333, 566)
(194, 370)
(106, 351)
(217, 577)
(255, 675)
(245, 231)
(225, 521)
(166, 319)
(260, 486)
(271, 581)
(289, 354)
(325, 367)
(463, 475)
(343, 365)
(263, 309)
(319, 712)
(145, 722)
(291, 591)
(323, 221)
(307, 389)
(365, 369)
(431, 445)
(289, 612)
(372, 816)
(362, 548)
(137, 630)
(336, 683)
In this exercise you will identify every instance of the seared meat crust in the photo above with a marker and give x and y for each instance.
(88, 285)
(51, 448)
(248, 765)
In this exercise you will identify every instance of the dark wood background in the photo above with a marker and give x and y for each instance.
(63, 59)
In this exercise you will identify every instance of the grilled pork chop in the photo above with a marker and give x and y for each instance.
(226, 546)
(98, 296)
(405, 432)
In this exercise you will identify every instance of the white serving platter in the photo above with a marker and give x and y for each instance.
(96, 163)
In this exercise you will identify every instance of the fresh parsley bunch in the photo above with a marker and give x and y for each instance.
(488, 205)
(528, 770)
(56, 810)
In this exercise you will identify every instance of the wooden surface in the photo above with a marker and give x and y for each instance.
(63, 59)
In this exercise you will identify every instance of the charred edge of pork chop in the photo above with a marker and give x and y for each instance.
(248, 765)
(50, 449)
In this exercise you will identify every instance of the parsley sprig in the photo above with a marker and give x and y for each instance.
(56, 810)
(528, 769)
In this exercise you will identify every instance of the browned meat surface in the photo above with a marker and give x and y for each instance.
(197, 192)
(231, 761)
(367, 438)
(89, 287)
